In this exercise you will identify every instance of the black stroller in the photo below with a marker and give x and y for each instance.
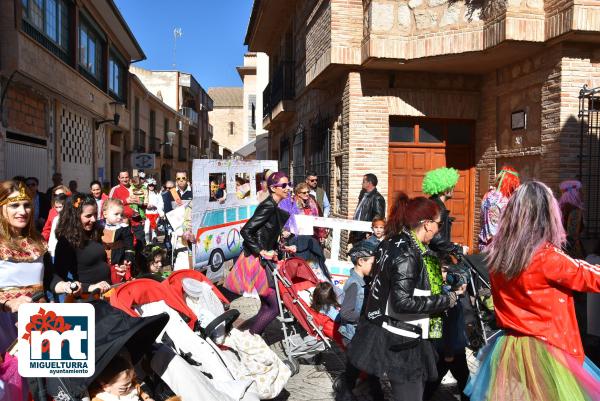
(479, 313)
(115, 331)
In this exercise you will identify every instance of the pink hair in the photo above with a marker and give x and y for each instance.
(531, 219)
(571, 194)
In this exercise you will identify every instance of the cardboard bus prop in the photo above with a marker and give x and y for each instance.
(221, 207)
(339, 269)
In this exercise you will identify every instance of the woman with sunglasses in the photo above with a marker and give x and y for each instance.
(405, 303)
(261, 236)
(300, 203)
(79, 253)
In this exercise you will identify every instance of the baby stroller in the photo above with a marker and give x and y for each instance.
(146, 297)
(194, 339)
(294, 279)
(479, 316)
(115, 332)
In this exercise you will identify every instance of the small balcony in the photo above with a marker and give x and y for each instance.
(139, 141)
(155, 146)
(190, 114)
(278, 96)
(168, 152)
(182, 154)
(194, 154)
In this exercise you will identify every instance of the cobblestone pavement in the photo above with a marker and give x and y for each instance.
(314, 380)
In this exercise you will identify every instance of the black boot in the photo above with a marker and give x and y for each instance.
(375, 390)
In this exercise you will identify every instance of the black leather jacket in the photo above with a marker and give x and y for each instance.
(399, 270)
(262, 231)
(374, 206)
(442, 242)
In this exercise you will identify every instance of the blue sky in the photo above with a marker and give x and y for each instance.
(212, 44)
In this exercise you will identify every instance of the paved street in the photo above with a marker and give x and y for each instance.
(314, 381)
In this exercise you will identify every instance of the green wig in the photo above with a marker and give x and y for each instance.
(440, 180)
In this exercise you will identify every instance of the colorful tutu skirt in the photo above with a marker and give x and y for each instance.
(522, 368)
(246, 275)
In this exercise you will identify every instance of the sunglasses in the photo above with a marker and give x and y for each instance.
(304, 193)
(181, 178)
(169, 188)
(283, 185)
(313, 180)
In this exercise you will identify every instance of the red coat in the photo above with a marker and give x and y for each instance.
(539, 302)
(48, 226)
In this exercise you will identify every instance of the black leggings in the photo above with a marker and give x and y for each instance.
(459, 369)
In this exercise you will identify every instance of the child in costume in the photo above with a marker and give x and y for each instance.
(539, 356)
(118, 241)
(137, 189)
(494, 202)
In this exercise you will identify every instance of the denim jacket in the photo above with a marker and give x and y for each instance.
(347, 329)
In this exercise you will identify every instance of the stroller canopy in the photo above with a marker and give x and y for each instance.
(144, 291)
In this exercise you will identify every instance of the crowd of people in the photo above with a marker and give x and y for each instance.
(400, 314)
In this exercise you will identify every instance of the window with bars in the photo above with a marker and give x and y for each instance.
(589, 158)
(284, 156)
(298, 158)
(320, 153)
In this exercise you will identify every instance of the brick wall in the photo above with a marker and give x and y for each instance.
(26, 111)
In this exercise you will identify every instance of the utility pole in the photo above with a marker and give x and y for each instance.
(177, 33)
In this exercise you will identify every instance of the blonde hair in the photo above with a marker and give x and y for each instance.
(300, 187)
(111, 202)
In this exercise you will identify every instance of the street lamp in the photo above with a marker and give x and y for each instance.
(116, 117)
(170, 138)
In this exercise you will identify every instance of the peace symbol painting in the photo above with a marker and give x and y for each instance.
(225, 197)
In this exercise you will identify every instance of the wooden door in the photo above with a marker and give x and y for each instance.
(410, 160)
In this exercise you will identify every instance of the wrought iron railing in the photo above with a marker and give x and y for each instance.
(589, 158)
(139, 141)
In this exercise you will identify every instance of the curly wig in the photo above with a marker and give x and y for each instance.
(440, 180)
(507, 181)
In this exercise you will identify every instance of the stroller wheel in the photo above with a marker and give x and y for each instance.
(293, 364)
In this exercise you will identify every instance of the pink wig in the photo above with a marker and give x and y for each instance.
(571, 194)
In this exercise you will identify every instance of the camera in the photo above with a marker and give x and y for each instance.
(457, 276)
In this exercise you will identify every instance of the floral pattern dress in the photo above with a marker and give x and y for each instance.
(492, 205)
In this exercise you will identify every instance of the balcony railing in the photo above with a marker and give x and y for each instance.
(139, 141)
(280, 88)
(190, 113)
(194, 154)
(182, 154)
(155, 146)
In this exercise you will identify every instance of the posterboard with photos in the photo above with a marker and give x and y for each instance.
(220, 210)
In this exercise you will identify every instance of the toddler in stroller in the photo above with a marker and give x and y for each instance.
(118, 382)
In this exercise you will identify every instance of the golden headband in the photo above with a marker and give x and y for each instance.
(23, 195)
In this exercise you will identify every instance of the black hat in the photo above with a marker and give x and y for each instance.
(362, 249)
(115, 330)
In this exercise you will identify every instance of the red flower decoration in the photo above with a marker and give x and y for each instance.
(44, 321)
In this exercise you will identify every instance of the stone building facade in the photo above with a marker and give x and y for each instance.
(63, 69)
(227, 118)
(397, 87)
